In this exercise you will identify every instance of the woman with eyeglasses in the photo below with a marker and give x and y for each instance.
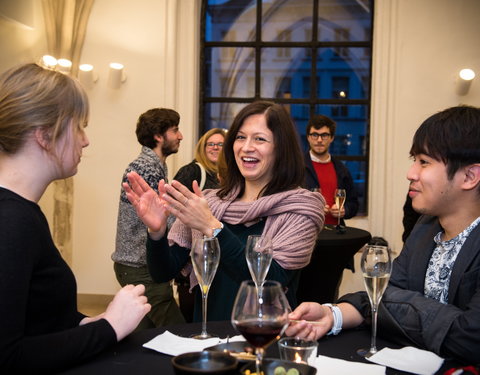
(204, 170)
(260, 194)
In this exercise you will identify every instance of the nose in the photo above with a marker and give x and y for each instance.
(179, 135)
(412, 173)
(247, 144)
(85, 140)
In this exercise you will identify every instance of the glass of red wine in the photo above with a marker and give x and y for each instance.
(260, 319)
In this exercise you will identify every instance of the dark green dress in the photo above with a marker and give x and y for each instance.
(165, 262)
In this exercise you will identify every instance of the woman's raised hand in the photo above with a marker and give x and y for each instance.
(190, 208)
(149, 205)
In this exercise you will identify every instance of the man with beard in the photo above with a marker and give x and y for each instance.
(157, 131)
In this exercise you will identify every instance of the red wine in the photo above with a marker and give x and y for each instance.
(260, 333)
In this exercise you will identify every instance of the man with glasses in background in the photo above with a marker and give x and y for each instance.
(325, 173)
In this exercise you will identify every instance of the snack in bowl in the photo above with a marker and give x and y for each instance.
(274, 366)
(238, 349)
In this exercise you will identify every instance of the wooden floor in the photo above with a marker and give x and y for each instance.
(93, 304)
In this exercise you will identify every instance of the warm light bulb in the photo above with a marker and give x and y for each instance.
(467, 74)
(49, 61)
(87, 76)
(116, 66)
(464, 81)
(64, 65)
(86, 67)
(116, 75)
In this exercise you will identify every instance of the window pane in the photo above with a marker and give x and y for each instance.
(220, 115)
(359, 175)
(285, 73)
(344, 20)
(344, 72)
(351, 129)
(300, 114)
(287, 20)
(229, 72)
(230, 21)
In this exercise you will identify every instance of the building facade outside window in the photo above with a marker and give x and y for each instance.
(314, 56)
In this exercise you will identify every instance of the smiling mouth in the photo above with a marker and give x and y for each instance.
(249, 161)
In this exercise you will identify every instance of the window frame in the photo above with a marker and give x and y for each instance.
(314, 100)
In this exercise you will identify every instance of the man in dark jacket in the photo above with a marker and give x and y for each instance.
(433, 298)
(325, 173)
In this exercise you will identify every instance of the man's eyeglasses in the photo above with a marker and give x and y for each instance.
(324, 136)
(212, 144)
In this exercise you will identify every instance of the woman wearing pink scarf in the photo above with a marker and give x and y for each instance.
(260, 194)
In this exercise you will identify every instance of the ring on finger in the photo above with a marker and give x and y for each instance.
(186, 201)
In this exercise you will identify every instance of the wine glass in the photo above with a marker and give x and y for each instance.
(260, 320)
(340, 196)
(205, 254)
(376, 266)
(258, 253)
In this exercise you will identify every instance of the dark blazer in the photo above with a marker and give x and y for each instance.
(344, 181)
(451, 330)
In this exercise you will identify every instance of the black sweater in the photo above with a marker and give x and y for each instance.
(39, 320)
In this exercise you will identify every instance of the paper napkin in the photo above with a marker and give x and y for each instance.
(328, 365)
(171, 344)
(409, 359)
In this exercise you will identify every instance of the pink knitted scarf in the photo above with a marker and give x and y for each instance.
(293, 220)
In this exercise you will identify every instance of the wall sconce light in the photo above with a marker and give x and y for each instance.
(64, 66)
(464, 81)
(86, 75)
(116, 75)
(48, 62)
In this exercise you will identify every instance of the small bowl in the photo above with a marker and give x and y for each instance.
(270, 364)
(205, 362)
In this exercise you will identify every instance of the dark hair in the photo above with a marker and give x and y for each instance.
(451, 136)
(288, 160)
(155, 121)
(319, 121)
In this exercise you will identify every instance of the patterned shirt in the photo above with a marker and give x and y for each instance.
(437, 278)
(130, 248)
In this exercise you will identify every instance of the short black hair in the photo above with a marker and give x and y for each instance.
(155, 121)
(451, 136)
(319, 121)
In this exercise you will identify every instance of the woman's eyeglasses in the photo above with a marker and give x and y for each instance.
(213, 144)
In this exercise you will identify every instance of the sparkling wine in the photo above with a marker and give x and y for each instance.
(260, 333)
(375, 286)
(339, 201)
(259, 264)
(205, 257)
(205, 267)
(258, 253)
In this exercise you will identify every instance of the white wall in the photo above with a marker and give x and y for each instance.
(418, 48)
(148, 39)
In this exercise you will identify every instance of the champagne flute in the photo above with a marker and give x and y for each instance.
(340, 196)
(376, 266)
(258, 253)
(260, 321)
(205, 254)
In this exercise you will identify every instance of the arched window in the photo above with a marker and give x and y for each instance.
(314, 56)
